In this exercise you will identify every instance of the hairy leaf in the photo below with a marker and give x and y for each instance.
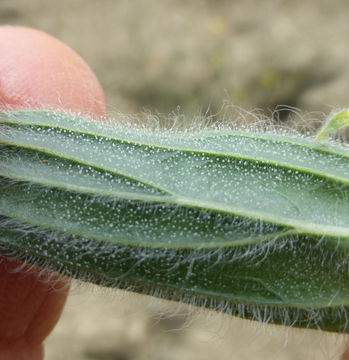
(254, 224)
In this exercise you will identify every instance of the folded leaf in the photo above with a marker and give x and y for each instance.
(254, 224)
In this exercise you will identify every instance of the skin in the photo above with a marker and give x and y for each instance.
(38, 72)
(345, 355)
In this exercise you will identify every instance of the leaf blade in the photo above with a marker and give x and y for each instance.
(202, 216)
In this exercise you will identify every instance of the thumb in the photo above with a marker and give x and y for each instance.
(37, 72)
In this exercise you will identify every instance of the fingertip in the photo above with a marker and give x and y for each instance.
(38, 71)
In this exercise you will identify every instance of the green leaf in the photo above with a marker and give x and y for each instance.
(338, 121)
(254, 224)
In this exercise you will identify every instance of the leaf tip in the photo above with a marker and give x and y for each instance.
(337, 121)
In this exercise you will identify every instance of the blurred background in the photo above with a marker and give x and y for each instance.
(194, 56)
(159, 55)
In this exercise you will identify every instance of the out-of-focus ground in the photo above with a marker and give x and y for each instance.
(102, 325)
(163, 54)
(193, 56)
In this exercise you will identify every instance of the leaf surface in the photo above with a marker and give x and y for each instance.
(256, 224)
